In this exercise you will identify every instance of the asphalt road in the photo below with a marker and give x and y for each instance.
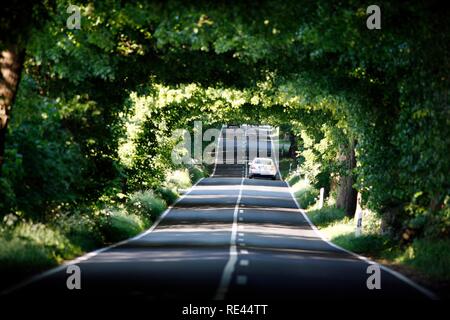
(228, 238)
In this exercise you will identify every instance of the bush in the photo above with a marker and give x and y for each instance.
(178, 179)
(27, 248)
(306, 196)
(23, 256)
(145, 204)
(167, 194)
(54, 241)
(326, 216)
(195, 174)
(118, 225)
(430, 256)
(370, 244)
(82, 229)
(293, 179)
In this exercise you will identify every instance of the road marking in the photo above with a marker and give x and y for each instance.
(241, 219)
(241, 280)
(243, 251)
(240, 234)
(231, 263)
(241, 211)
(244, 262)
(92, 254)
(242, 244)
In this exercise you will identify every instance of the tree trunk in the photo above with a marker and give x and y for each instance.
(347, 195)
(293, 146)
(11, 63)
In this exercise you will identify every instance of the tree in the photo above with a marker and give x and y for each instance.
(16, 21)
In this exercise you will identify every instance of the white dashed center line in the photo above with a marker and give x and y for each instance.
(241, 280)
(244, 262)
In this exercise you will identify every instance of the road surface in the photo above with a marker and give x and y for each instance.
(229, 237)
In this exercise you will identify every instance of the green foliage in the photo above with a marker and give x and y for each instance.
(326, 216)
(119, 225)
(370, 244)
(195, 174)
(167, 194)
(429, 255)
(305, 194)
(178, 179)
(27, 247)
(432, 257)
(23, 257)
(97, 107)
(145, 204)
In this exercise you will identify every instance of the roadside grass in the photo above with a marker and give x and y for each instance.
(145, 204)
(119, 225)
(167, 194)
(431, 257)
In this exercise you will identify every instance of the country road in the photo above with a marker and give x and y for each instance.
(228, 237)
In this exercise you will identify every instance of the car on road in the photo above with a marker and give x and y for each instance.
(262, 167)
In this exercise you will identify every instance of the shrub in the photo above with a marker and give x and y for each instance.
(178, 179)
(27, 248)
(306, 196)
(431, 256)
(118, 225)
(145, 204)
(370, 244)
(23, 256)
(82, 229)
(42, 235)
(167, 194)
(195, 174)
(326, 216)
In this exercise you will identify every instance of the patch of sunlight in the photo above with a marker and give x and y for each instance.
(340, 228)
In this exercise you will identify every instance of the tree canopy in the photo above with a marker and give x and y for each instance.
(96, 105)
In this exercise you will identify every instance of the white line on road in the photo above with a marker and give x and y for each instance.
(231, 263)
(244, 262)
(241, 211)
(241, 280)
(240, 234)
(243, 251)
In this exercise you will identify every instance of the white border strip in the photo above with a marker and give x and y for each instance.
(396, 274)
(92, 254)
(231, 263)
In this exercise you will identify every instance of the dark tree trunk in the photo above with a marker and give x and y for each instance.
(11, 63)
(347, 195)
(293, 146)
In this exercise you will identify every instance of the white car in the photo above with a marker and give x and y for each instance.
(262, 167)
